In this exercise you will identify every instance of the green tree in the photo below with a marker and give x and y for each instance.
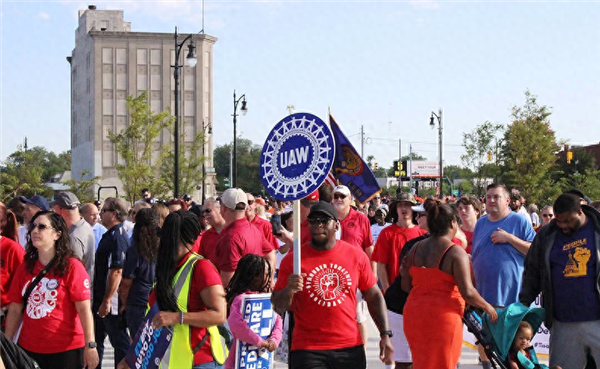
(84, 188)
(248, 156)
(581, 173)
(140, 155)
(22, 173)
(190, 166)
(480, 146)
(529, 149)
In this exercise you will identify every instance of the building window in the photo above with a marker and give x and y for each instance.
(142, 56)
(107, 55)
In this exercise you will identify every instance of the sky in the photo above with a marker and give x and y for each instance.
(381, 65)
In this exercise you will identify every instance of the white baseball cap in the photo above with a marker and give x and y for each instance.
(235, 199)
(342, 189)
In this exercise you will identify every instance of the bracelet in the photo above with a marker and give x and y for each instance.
(181, 317)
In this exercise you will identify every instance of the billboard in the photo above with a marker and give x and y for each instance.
(424, 169)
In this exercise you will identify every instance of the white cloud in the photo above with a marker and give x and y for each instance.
(425, 4)
(42, 15)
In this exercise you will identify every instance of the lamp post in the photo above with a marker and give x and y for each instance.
(191, 61)
(204, 127)
(244, 110)
(440, 128)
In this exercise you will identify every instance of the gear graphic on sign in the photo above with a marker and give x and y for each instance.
(297, 156)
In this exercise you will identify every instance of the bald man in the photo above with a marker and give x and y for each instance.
(90, 213)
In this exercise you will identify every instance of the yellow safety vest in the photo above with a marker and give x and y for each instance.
(180, 354)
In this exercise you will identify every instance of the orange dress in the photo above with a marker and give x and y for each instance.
(433, 318)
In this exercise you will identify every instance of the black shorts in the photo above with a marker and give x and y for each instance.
(346, 358)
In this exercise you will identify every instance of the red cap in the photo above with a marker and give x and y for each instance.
(313, 196)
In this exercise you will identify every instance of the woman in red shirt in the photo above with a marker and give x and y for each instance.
(57, 327)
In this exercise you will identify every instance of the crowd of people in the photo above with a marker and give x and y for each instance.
(76, 273)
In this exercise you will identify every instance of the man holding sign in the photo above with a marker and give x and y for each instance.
(323, 298)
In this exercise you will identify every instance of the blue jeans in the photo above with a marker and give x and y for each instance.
(113, 326)
(209, 365)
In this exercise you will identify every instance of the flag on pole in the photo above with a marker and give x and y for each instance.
(330, 179)
(350, 169)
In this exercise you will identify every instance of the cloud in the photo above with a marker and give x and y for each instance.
(425, 4)
(42, 15)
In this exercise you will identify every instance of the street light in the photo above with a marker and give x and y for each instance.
(204, 127)
(191, 61)
(244, 110)
(440, 128)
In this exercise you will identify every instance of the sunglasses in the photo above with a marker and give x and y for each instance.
(105, 210)
(548, 215)
(250, 202)
(206, 211)
(339, 196)
(318, 221)
(40, 226)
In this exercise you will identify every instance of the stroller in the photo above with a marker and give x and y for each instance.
(497, 338)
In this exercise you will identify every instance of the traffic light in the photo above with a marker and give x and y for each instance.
(569, 156)
(489, 154)
(374, 166)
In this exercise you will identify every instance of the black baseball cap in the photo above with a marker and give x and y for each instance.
(578, 192)
(323, 208)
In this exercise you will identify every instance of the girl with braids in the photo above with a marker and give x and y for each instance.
(438, 277)
(138, 273)
(191, 313)
(58, 309)
(11, 255)
(253, 275)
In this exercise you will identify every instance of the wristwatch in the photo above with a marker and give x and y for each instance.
(390, 334)
(91, 344)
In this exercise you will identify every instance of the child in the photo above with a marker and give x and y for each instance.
(253, 275)
(522, 344)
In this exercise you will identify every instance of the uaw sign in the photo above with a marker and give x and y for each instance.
(258, 313)
(296, 157)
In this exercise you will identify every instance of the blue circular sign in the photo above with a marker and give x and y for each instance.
(297, 156)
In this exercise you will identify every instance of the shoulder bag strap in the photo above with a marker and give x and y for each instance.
(37, 280)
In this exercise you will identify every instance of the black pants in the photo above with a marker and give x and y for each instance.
(116, 328)
(72, 359)
(347, 358)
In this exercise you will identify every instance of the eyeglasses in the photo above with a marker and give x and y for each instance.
(548, 215)
(250, 202)
(206, 211)
(339, 196)
(40, 226)
(318, 221)
(105, 210)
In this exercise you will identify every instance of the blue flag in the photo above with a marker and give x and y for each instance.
(350, 169)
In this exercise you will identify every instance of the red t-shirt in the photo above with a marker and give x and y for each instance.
(305, 236)
(390, 242)
(236, 240)
(267, 229)
(204, 275)
(356, 229)
(469, 236)
(325, 311)
(11, 256)
(50, 314)
(208, 245)
(196, 247)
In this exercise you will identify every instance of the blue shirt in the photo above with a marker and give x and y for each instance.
(573, 262)
(99, 231)
(142, 273)
(498, 268)
(110, 254)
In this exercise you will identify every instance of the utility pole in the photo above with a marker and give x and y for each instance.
(410, 166)
(362, 142)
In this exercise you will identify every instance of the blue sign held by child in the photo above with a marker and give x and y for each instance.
(258, 313)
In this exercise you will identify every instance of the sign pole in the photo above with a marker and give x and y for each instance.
(297, 236)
